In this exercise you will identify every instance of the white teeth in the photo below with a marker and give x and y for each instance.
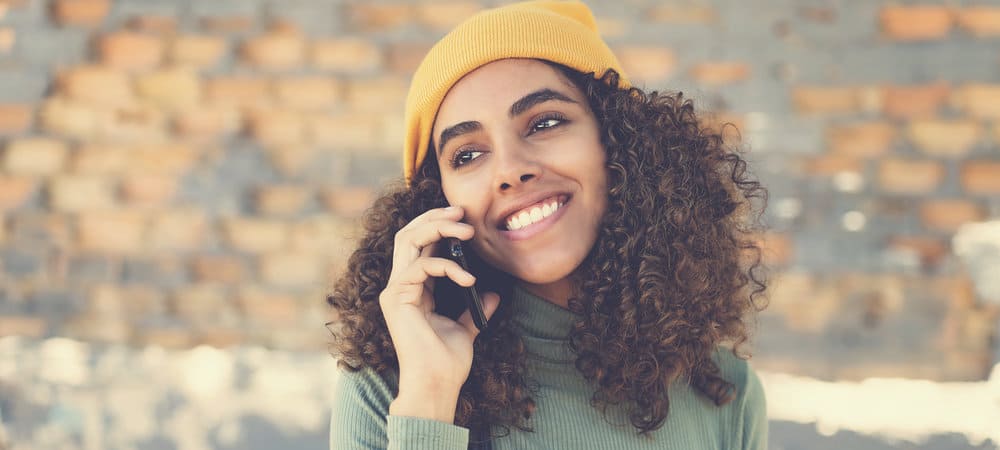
(514, 224)
(536, 214)
(524, 218)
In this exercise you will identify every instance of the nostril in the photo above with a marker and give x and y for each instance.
(526, 177)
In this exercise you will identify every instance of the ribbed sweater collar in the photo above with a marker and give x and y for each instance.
(543, 325)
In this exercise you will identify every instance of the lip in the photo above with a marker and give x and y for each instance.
(526, 202)
(537, 227)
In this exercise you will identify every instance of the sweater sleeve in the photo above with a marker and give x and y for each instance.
(754, 413)
(360, 419)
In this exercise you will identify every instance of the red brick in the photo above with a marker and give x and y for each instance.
(178, 230)
(239, 91)
(810, 317)
(15, 191)
(918, 101)
(80, 12)
(25, 326)
(15, 118)
(951, 138)
(646, 64)
(834, 100)
(204, 303)
(349, 201)
(277, 126)
(7, 38)
(948, 215)
(865, 140)
(165, 336)
(142, 122)
(75, 193)
(282, 200)
(170, 89)
(379, 17)
(256, 235)
(403, 58)
(291, 268)
(916, 23)
(981, 177)
(323, 234)
(227, 269)
(227, 25)
(281, 48)
(207, 121)
(682, 14)
(718, 73)
(262, 306)
(96, 85)
(383, 94)
(131, 51)
(112, 231)
(825, 165)
(344, 131)
(222, 337)
(92, 327)
(100, 159)
(71, 118)
(34, 156)
(148, 190)
(168, 159)
(979, 100)
(910, 176)
(929, 250)
(980, 21)
(197, 50)
(443, 16)
(162, 25)
(307, 93)
(345, 55)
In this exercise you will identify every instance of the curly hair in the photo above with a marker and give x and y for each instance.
(675, 270)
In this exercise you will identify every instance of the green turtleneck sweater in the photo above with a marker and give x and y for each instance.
(564, 418)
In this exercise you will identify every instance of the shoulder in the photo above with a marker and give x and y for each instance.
(736, 370)
(365, 388)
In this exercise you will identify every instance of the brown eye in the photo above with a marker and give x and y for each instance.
(463, 157)
(545, 122)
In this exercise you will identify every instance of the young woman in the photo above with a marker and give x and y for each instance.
(608, 230)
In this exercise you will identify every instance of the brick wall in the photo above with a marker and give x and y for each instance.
(190, 172)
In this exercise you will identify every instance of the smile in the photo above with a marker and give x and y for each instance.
(535, 219)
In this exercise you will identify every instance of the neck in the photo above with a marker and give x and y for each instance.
(556, 292)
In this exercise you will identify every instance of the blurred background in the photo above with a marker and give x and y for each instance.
(181, 181)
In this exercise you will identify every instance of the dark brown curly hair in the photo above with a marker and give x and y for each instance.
(675, 270)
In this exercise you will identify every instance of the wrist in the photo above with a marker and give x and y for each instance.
(425, 405)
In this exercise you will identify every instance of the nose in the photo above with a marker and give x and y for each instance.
(514, 167)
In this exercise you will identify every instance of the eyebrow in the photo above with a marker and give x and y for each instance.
(518, 108)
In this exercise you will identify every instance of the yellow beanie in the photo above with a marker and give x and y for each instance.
(564, 32)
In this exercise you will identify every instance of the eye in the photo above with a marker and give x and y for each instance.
(462, 157)
(545, 122)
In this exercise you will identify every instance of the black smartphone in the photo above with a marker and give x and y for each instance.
(453, 251)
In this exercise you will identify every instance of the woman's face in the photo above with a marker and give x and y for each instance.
(519, 149)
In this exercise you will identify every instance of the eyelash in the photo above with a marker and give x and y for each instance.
(559, 118)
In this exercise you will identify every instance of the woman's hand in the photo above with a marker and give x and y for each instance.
(434, 352)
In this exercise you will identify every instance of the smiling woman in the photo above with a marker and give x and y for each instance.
(611, 237)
